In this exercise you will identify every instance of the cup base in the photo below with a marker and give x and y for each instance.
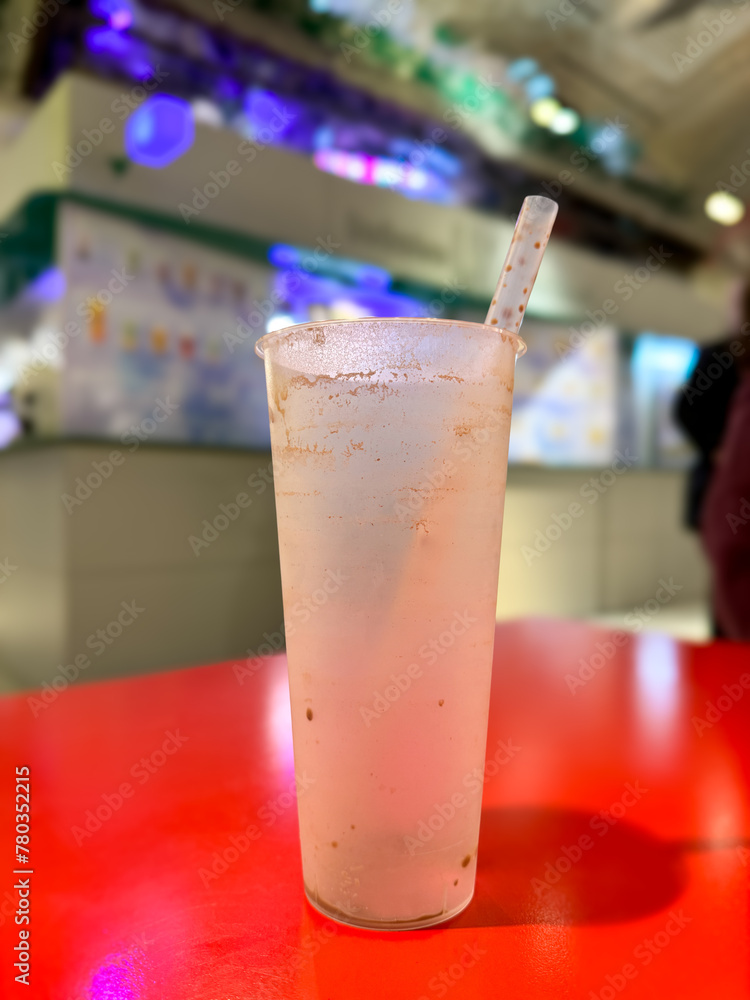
(418, 923)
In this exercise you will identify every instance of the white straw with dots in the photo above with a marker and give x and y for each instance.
(522, 263)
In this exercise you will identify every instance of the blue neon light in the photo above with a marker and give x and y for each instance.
(299, 292)
(612, 147)
(381, 171)
(160, 131)
(539, 86)
(119, 13)
(665, 354)
(109, 41)
(49, 286)
(121, 46)
(522, 69)
(365, 276)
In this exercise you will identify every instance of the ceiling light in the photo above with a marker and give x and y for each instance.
(544, 111)
(159, 131)
(724, 208)
(565, 122)
(539, 86)
(280, 321)
(521, 69)
(205, 112)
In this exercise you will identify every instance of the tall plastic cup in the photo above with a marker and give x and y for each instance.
(390, 448)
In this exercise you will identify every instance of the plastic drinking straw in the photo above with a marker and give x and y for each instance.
(522, 263)
(514, 287)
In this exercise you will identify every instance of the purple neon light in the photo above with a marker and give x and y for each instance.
(160, 131)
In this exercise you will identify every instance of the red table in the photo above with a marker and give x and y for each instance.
(614, 856)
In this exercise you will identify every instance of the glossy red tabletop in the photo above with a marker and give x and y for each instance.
(614, 856)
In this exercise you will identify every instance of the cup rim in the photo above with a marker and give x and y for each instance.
(268, 338)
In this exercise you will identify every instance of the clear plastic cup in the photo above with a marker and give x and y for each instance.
(390, 448)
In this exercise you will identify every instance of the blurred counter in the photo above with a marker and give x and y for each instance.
(578, 542)
(125, 561)
(186, 534)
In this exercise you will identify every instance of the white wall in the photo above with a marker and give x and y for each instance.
(128, 541)
(281, 196)
(612, 556)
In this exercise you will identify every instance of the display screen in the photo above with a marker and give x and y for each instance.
(565, 405)
(659, 366)
(137, 320)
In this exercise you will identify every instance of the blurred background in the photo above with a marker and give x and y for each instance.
(179, 178)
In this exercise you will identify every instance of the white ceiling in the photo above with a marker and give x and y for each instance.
(610, 59)
(628, 59)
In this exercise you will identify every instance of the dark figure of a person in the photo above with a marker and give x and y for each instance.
(725, 518)
(701, 410)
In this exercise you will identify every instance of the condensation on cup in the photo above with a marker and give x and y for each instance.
(390, 447)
